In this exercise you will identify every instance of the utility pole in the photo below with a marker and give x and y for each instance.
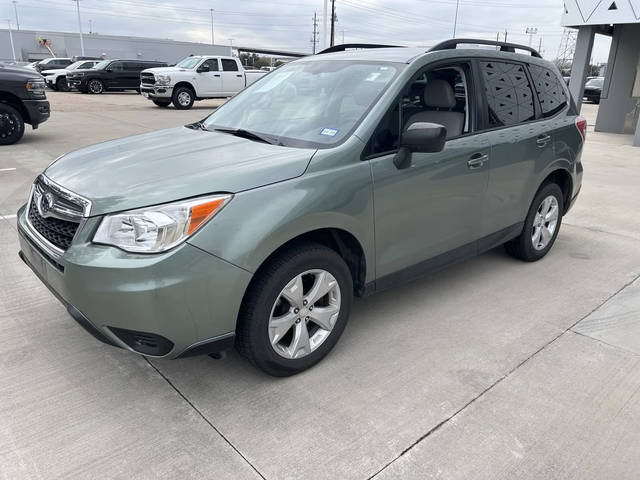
(15, 9)
(80, 26)
(497, 40)
(212, 37)
(540, 45)
(13, 50)
(314, 37)
(455, 20)
(324, 24)
(505, 35)
(531, 31)
(90, 27)
(333, 23)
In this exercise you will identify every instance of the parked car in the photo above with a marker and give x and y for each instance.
(593, 89)
(326, 179)
(110, 75)
(52, 63)
(57, 79)
(22, 100)
(196, 78)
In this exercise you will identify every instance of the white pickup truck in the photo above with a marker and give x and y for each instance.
(196, 78)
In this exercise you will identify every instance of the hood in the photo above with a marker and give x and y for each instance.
(54, 71)
(26, 72)
(166, 70)
(84, 70)
(173, 164)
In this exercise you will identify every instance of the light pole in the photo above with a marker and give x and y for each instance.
(90, 27)
(15, 9)
(531, 31)
(455, 20)
(212, 37)
(13, 50)
(80, 26)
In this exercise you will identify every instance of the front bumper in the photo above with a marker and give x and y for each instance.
(176, 304)
(164, 92)
(79, 83)
(39, 111)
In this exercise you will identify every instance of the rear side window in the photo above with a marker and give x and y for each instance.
(549, 89)
(229, 65)
(116, 67)
(509, 94)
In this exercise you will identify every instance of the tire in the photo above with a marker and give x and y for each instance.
(11, 125)
(523, 247)
(316, 265)
(183, 98)
(162, 104)
(61, 84)
(95, 86)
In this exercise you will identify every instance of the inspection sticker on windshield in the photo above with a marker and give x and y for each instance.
(329, 132)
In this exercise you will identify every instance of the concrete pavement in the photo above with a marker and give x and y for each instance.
(491, 369)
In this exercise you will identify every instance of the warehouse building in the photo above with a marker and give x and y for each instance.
(620, 98)
(32, 45)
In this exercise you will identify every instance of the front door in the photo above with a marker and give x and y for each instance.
(209, 78)
(430, 213)
(116, 75)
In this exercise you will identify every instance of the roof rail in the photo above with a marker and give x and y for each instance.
(504, 46)
(345, 46)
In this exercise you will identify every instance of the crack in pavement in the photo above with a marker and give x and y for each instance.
(205, 418)
(498, 381)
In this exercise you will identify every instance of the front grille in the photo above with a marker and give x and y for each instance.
(147, 79)
(58, 225)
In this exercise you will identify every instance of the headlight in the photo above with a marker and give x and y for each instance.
(163, 79)
(157, 229)
(35, 88)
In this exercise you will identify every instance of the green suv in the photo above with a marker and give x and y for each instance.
(334, 176)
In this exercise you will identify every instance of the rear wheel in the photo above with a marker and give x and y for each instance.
(161, 103)
(183, 98)
(295, 310)
(541, 226)
(61, 84)
(95, 86)
(11, 125)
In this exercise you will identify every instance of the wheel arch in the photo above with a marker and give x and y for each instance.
(186, 84)
(563, 179)
(15, 102)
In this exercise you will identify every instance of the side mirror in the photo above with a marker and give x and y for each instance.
(420, 137)
(203, 68)
(109, 69)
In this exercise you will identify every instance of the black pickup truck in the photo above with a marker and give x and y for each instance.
(22, 100)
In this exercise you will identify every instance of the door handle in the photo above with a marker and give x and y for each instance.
(477, 160)
(240, 76)
(217, 75)
(543, 140)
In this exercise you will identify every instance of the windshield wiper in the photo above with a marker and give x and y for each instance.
(240, 132)
(199, 125)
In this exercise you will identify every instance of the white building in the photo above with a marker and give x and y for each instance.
(620, 19)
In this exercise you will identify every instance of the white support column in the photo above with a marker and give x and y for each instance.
(581, 58)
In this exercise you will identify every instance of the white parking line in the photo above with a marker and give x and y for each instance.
(8, 169)
(7, 217)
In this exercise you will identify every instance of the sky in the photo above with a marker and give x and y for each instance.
(288, 24)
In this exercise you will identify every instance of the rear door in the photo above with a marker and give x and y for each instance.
(232, 76)
(115, 75)
(131, 74)
(520, 143)
(209, 78)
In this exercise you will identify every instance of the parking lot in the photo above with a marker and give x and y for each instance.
(493, 368)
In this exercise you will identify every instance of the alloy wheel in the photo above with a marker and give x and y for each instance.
(545, 222)
(304, 314)
(8, 125)
(184, 98)
(95, 86)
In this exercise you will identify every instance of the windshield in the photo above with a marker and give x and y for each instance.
(189, 62)
(595, 82)
(308, 104)
(75, 65)
(102, 65)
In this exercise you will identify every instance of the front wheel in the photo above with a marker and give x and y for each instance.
(541, 226)
(95, 86)
(11, 125)
(295, 310)
(161, 103)
(183, 98)
(61, 84)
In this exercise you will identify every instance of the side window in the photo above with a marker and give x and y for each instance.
(509, 93)
(213, 64)
(133, 66)
(229, 65)
(550, 90)
(116, 66)
(439, 95)
(87, 65)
